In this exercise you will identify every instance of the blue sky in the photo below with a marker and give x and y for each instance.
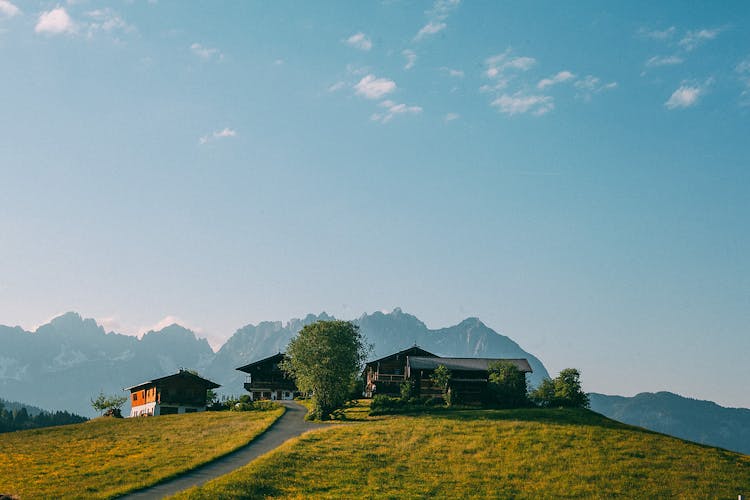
(574, 174)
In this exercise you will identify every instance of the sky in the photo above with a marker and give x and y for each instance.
(575, 174)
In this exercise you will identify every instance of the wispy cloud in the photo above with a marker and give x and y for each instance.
(653, 34)
(110, 323)
(108, 21)
(218, 134)
(372, 87)
(498, 64)
(687, 95)
(206, 53)
(503, 68)
(694, 39)
(411, 58)
(8, 9)
(55, 22)
(455, 73)
(520, 103)
(359, 41)
(561, 77)
(592, 85)
(336, 86)
(393, 109)
(449, 117)
(431, 28)
(436, 17)
(657, 61)
(168, 321)
(743, 71)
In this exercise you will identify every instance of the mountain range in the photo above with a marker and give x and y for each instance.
(64, 363)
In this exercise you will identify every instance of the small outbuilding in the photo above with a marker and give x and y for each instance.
(182, 392)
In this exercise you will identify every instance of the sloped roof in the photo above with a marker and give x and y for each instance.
(415, 349)
(275, 359)
(181, 374)
(463, 364)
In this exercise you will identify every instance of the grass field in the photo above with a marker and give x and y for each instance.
(106, 456)
(487, 454)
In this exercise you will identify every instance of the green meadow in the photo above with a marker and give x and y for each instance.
(107, 457)
(529, 453)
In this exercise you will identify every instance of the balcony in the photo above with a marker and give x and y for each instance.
(388, 377)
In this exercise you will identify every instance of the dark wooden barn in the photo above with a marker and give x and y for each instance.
(385, 375)
(266, 380)
(469, 376)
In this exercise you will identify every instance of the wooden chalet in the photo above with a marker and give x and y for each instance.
(385, 375)
(469, 376)
(266, 380)
(182, 392)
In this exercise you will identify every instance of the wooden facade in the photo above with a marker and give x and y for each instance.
(182, 392)
(385, 375)
(266, 381)
(469, 376)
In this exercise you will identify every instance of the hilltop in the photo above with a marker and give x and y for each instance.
(525, 453)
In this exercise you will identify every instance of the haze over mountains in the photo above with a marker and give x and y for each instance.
(67, 361)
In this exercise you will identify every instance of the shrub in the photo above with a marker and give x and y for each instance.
(381, 402)
(434, 401)
(407, 389)
(507, 385)
(244, 403)
(564, 391)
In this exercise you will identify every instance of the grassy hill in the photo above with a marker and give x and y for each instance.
(106, 457)
(487, 454)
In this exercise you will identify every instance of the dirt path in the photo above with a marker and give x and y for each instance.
(291, 424)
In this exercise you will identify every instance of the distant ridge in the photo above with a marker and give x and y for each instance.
(700, 421)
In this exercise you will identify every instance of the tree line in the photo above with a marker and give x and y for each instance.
(20, 419)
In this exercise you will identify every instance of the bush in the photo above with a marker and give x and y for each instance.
(244, 403)
(564, 391)
(507, 385)
(407, 389)
(381, 403)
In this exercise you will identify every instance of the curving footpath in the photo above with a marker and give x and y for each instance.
(291, 424)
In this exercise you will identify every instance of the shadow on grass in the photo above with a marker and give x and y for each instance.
(556, 416)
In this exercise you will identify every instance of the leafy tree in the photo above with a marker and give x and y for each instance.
(406, 388)
(103, 403)
(324, 359)
(508, 385)
(565, 390)
(211, 397)
(441, 377)
(544, 394)
(568, 389)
